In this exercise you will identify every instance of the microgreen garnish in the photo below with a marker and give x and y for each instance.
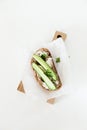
(44, 56)
(57, 59)
(48, 73)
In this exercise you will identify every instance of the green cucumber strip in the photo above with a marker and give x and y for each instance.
(45, 66)
(41, 68)
(48, 82)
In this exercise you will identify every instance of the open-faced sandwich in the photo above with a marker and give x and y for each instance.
(45, 70)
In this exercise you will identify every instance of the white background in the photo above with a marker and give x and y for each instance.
(23, 24)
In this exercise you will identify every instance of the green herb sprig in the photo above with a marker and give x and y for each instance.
(44, 56)
(57, 59)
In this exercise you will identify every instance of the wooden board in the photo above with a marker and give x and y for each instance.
(21, 87)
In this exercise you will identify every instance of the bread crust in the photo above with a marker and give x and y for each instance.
(38, 79)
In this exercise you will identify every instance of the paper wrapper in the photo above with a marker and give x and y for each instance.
(29, 83)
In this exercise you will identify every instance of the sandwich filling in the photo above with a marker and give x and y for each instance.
(43, 65)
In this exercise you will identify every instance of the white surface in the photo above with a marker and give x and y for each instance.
(23, 24)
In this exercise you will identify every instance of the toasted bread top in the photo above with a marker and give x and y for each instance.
(39, 52)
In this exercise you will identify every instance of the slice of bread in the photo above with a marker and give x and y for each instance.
(38, 78)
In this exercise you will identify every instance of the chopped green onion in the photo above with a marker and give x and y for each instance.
(48, 73)
(44, 56)
(57, 59)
